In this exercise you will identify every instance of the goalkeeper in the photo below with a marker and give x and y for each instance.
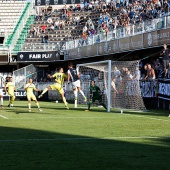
(95, 94)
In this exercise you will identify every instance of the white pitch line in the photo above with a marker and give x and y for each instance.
(85, 138)
(146, 117)
(65, 118)
(4, 117)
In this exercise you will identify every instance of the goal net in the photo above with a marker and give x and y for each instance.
(22, 75)
(117, 80)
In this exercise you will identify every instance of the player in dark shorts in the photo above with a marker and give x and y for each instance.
(95, 94)
(165, 53)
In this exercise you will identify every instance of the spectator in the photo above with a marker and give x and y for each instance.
(150, 73)
(136, 75)
(78, 7)
(69, 36)
(32, 31)
(45, 38)
(81, 19)
(50, 8)
(157, 67)
(77, 19)
(44, 27)
(165, 7)
(168, 72)
(80, 41)
(85, 5)
(62, 24)
(85, 29)
(89, 21)
(56, 25)
(37, 30)
(84, 39)
(165, 53)
(52, 27)
(117, 75)
(90, 7)
(129, 75)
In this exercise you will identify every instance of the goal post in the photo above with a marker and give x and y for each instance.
(104, 68)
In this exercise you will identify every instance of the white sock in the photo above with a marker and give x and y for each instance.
(82, 93)
(75, 104)
(75, 93)
(1, 100)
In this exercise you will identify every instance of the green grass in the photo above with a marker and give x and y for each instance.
(57, 138)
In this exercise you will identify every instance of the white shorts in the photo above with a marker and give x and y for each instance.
(76, 84)
(1, 92)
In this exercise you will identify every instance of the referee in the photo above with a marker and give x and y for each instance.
(165, 53)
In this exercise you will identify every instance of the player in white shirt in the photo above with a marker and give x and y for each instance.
(74, 76)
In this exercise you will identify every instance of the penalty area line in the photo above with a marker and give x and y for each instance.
(85, 138)
(4, 117)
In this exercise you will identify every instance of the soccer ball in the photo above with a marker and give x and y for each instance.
(56, 101)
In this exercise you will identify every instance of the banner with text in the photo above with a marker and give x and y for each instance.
(164, 89)
(49, 56)
(146, 40)
(18, 94)
(148, 88)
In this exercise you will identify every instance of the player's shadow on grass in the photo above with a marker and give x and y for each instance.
(23, 148)
(102, 110)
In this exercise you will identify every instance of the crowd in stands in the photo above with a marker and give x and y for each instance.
(114, 14)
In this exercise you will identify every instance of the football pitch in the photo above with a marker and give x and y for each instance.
(57, 138)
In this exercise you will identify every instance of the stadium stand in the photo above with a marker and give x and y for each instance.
(13, 16)
(61, 24)
(60, 34)
(69, 26)
(9, 14)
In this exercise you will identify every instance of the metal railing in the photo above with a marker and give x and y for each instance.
(41, 46)
(121, 32)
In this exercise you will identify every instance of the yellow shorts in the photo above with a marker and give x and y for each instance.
(58, 87)
(11, 94)
(31, 96)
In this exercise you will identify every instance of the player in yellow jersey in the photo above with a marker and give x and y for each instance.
(11, 88)
(59, 79)
(29, 88)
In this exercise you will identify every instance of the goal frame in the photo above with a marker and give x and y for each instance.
(108, 90)
(25, 73)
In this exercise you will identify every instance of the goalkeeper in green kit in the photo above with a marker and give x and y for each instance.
(95, 94)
